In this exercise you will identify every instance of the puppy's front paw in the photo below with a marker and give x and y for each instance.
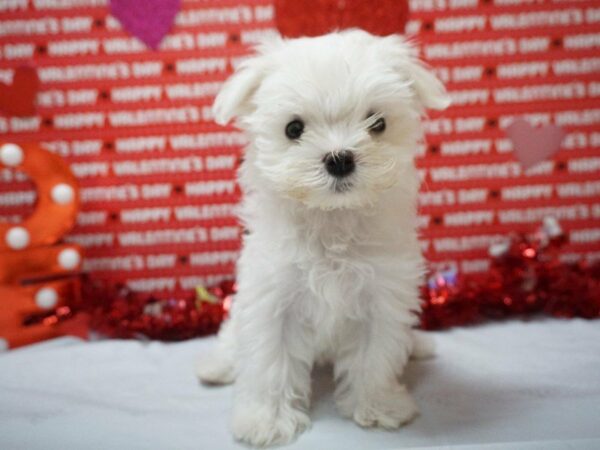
(263, 425)
(387, 409)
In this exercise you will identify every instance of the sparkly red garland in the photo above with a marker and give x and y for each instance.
(526, 278)
(118, 312)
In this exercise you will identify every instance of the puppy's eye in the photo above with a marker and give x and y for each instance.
(294, 129)
(378, 126)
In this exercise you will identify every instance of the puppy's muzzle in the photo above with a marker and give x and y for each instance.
(340, 164)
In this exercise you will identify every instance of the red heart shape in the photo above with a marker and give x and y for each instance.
(19, 98)
(297, 18)
(532, 145)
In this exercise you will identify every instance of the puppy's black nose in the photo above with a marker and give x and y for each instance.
(340, 164)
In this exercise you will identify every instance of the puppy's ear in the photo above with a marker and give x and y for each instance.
(428, 89)
(234, 98)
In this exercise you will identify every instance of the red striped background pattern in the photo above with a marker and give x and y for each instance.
(157, 175)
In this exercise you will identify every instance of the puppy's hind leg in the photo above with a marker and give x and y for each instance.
(217, 367)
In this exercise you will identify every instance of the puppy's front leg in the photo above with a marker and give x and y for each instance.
(272, 386)
(369, 363)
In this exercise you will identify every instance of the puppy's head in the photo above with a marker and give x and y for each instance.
(335, 119)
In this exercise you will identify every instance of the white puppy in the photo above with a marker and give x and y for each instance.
(330, 268)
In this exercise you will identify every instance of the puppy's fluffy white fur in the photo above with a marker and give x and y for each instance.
(330, 270)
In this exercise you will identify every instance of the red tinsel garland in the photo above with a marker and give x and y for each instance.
(567, 291)
(526, 278)
(116, 311)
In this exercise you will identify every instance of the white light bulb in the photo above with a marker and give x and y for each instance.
(46, 298)
(17, 238)
(11, 155)
(69, 259)
(62, 194)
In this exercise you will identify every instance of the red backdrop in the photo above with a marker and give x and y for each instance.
(157, 176)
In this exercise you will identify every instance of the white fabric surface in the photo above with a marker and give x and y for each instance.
(511, 385)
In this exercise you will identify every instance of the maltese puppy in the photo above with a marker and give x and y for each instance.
(330, 267)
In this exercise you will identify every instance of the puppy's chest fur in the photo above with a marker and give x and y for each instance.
(338, 265)
(333, 263)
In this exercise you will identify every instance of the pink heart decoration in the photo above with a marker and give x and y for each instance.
(532, 145)
(148, 20)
